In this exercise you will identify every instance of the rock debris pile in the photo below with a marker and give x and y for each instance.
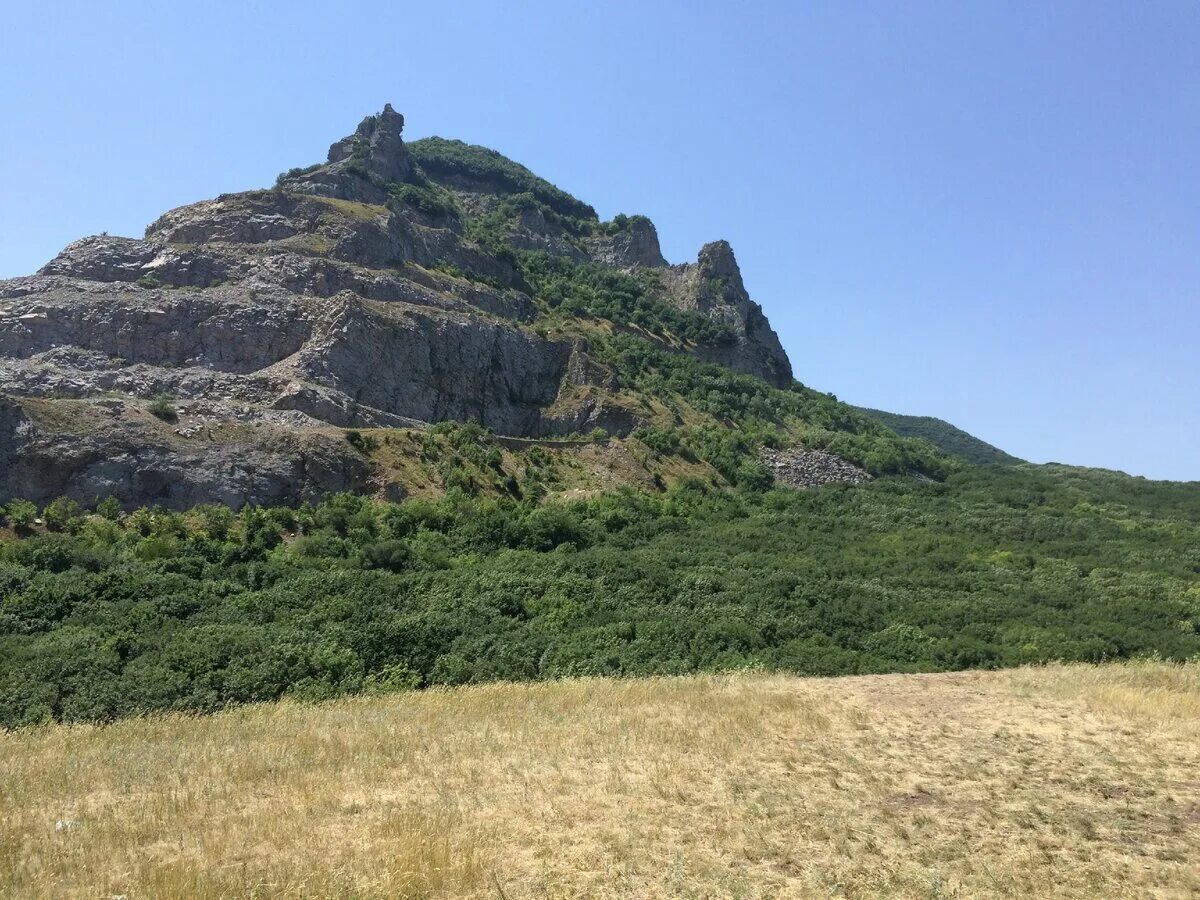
(800, 468)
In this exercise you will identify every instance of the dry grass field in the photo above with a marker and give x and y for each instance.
(1054, 782)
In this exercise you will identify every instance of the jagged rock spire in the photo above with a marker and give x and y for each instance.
(377, 144)
(713, 286)
(716, 260)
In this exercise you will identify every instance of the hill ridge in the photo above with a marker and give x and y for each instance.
(945, 436)
(390, 286)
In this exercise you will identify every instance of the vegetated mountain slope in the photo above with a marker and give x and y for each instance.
(1056, 782)
(274, 346)
(997, 566)
(389, 287)
(944, 436)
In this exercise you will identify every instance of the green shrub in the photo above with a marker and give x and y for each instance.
(363, 443)
(620, 223)
(296, 173)
(109, 508)
(216, 521)
(163, 407)
(392, 555)
(62, 514)
(392, 679)
(753, 475)
(21, 514)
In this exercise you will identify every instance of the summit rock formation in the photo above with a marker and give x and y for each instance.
(356, 293)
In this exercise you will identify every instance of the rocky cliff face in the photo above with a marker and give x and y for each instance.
(713, 286)
(344, 297)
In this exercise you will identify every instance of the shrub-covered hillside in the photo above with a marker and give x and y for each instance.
(944, 436)
(107, 615)
(496, 173)
(588, 438)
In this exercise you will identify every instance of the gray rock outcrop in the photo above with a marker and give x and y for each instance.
(802, 468)
(632, 246)
(276, 317)
(713, 286)
(377, 142)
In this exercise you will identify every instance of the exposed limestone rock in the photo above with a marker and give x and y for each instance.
(634, 246)
(533, 232)
(378, 144)
(275, 317)
(128, 454)
(228, 329)
(388, 358)
(361, 164)
(800, 468)
(713, 286)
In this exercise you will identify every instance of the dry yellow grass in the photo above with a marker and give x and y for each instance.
(1055, 782)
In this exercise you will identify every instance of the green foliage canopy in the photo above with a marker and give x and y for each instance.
(199, 610)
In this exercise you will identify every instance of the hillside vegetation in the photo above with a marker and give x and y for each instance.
(107, 615)
(944, 436)
(1058, 782)
(495, 172)
(586, 440)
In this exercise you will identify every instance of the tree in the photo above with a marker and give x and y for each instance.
(109, 508)
(61, 514)
(21, 514)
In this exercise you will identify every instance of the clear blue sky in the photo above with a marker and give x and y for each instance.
(988, 212)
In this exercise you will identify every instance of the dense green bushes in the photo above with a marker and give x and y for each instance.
(591, 290)
(296, 172)
(621, 222)
(450, 159)
(944, 436)
(760, 414)
(195, 611)
(431, 200)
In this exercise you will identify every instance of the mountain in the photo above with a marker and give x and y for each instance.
(238, 350)
(944, 436)
(202, 431)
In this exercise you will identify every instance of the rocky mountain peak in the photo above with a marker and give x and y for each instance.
(376, 145)
(389, 116)
(382, 288)
(713, 286)
(716, 260)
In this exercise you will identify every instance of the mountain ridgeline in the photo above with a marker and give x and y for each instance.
(415, 416)
(224, 356)
(946, 437)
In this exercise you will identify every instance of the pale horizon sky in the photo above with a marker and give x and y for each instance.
(984, 212)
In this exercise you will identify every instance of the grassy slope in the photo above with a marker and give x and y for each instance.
(943, 435)
(422, 462)
(1056, 782)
